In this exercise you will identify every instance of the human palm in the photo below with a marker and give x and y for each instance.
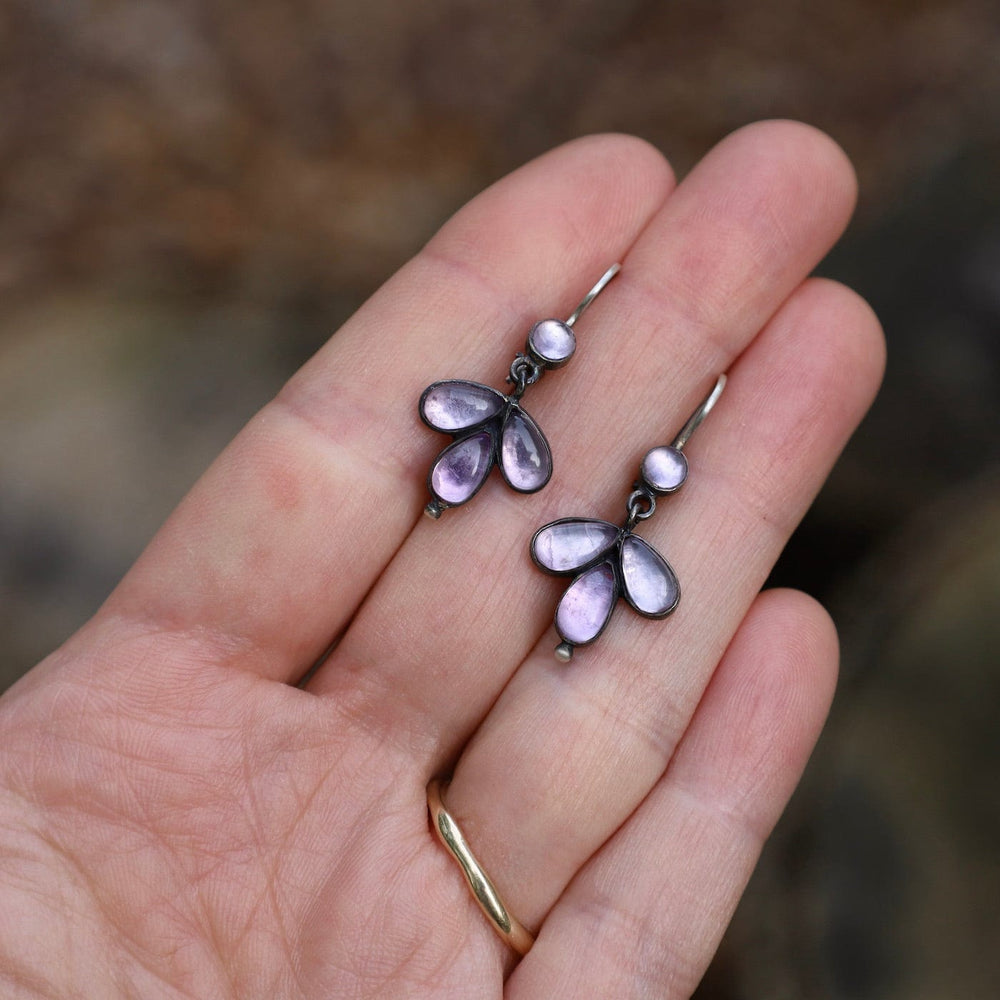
(179, 819)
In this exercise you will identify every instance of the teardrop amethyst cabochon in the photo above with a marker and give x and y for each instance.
(607, 562)
(489, 429)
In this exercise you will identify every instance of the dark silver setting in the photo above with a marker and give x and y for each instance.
(655, 577)
(548, 347)
(495, 426)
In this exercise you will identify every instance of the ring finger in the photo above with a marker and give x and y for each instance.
(568, 753)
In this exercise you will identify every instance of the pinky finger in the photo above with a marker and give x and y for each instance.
(645, 916)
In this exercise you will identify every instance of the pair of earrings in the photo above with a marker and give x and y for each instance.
(606, 561)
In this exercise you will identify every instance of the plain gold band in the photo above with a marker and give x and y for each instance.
(485, 893)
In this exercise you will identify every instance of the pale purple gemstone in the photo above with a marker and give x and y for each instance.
(664, 469)
(552, 341)
(461, 468)
(586, 605)
(524, 453)
(567, 545)
(453, 406)
(650, 584)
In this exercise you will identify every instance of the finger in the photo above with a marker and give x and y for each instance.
(568, 752)
(460, 606)
(269, 554)
(646, 914)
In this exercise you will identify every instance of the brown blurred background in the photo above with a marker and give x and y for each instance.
(194, 195)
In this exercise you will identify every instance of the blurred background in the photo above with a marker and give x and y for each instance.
(195, 193)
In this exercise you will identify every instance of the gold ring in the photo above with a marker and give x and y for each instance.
(485, 893)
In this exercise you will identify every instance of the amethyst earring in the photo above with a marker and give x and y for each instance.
(490, 428)
(608, 561)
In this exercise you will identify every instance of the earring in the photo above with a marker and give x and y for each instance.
(490, 428)
(608, 561)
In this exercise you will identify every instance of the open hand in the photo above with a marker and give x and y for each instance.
(178, 819)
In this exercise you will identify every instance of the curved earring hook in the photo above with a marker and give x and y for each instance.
(593, 293)
(703, 410)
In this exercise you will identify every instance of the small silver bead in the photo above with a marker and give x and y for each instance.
(564, 652)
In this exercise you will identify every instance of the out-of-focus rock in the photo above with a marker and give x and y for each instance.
(881, 882)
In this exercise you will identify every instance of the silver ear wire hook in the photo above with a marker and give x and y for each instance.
(593, 293)
(703, 410)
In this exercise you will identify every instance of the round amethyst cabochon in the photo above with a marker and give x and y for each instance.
(664, 469)
(552, 341)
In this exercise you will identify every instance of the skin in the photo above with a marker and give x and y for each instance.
(178, 819)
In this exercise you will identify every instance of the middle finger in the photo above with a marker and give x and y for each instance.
(460, 606)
